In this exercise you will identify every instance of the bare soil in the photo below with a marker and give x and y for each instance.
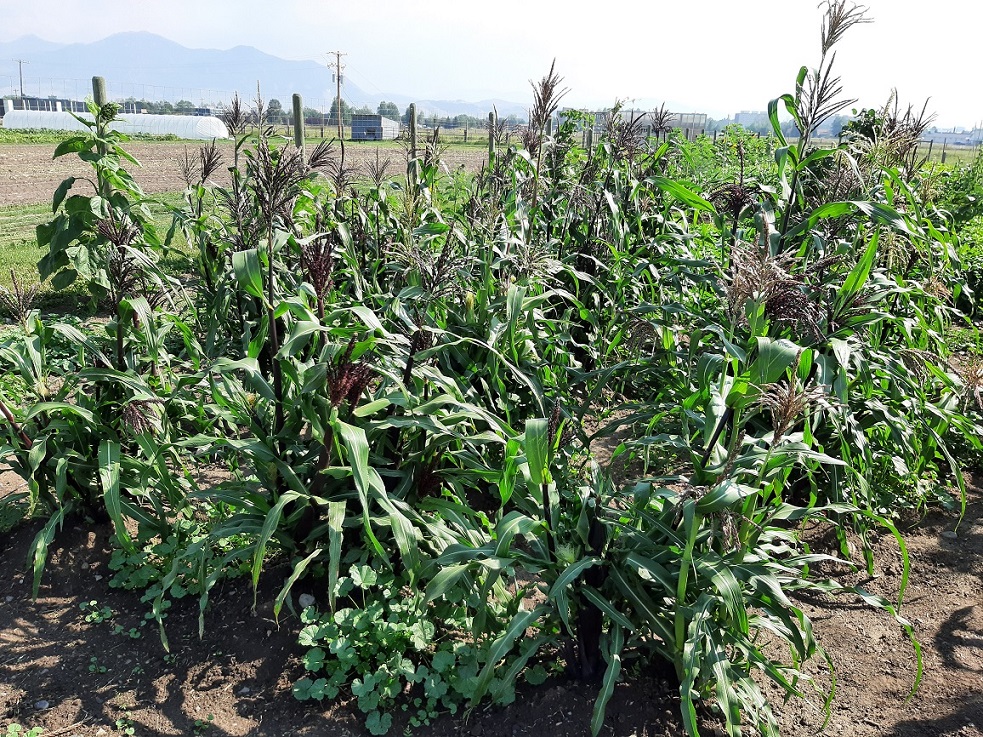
(241, 672)
(873, 658)
(28, 174)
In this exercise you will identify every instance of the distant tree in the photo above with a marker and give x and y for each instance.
(718, 124)
(837, 123)
(764, 129)
(183, 107)
(363, 110)
(388, 110)
(274, 111)
(312, 116)
(790, 129)
(406, 116)
(346, 113)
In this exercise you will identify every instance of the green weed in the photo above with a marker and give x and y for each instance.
(95, 613)
(16, 730)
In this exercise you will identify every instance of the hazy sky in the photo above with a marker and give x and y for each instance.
(714, 56)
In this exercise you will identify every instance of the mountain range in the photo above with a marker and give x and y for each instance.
(144, 65)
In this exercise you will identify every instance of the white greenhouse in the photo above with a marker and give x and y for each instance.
(192, 127)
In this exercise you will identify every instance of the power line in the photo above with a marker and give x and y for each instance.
(367, 82)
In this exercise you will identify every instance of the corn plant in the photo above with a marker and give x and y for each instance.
(395, 377)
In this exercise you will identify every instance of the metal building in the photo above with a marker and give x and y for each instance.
(374, 128)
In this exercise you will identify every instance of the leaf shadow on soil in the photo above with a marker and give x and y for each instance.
(240, 671)
(875, 663)
(965, 719)
(243, 668)
(46, 650)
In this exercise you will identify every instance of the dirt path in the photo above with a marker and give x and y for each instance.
(28, 174)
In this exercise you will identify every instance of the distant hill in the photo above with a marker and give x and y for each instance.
(147, 66)
(26, 46)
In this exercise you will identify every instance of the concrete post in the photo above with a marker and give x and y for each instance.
(298, 105)
(412, 130)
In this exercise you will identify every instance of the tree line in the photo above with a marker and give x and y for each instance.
(277, 114)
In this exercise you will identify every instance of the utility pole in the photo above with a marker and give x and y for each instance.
(338, 68)
(20, 67)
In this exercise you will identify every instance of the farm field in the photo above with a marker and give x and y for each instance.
(29, 176)
(642, 437)
(19, 250)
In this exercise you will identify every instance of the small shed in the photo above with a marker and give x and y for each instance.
(374, 128)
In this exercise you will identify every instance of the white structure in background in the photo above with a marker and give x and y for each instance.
(194, 127)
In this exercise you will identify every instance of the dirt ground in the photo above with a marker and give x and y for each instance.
(73, 677)
(28, 175)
